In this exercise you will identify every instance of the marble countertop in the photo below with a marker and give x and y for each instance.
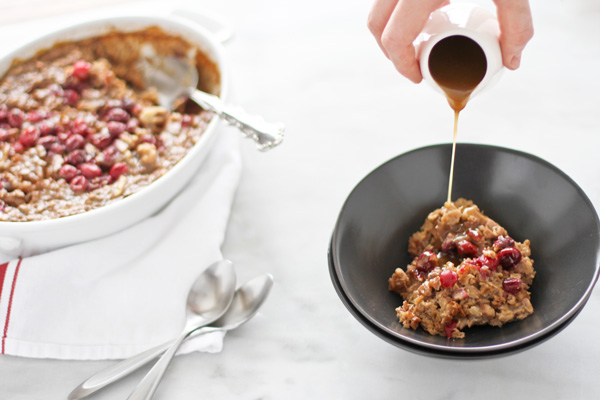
(314, 65)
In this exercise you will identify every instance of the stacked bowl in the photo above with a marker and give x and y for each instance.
(530, 197)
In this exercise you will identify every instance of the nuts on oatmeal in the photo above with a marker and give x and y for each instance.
(466, 271)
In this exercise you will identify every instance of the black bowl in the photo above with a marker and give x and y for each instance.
(531, 198)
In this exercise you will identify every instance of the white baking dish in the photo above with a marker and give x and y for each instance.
(27, 238)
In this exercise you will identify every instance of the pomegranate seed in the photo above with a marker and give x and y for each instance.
(108, 156)
(490, 262)
(75, 157)
(18, 147)
(29, 136)
(503, 242)
(484, 273)
(449, 328)
(36, 116)
(466, 249)
(187, 120)
(3, 135)
(101, 139)
(74, 142)
(512, 285)
(15, 117)
(70, 97)
(117, 170)
(117, 114)
(448, 243)
(132, 125)
(63, 136)
(80, 127)
(81, 69)
(77, 85)
(475, 235)
(90, 170)
(79, 183)
(148, 138)
(127, 103)
(68, 172)
(426, 262)
(57, 148)
(47, 141)
(3, 111)
(115, 128)
(47, 127)
(448, 278)
(509, 257)
(460, 294)
(136, 109)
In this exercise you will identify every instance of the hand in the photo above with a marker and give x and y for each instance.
(397, 23)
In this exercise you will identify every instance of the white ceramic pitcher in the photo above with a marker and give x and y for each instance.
(468, 20)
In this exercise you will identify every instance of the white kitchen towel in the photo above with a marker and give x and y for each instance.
(122, 294)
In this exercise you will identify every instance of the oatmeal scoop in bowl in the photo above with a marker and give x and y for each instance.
(85, 148)
(466, 279)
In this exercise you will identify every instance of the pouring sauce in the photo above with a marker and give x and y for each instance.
(457, 64)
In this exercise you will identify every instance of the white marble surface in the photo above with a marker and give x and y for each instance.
(313, 65)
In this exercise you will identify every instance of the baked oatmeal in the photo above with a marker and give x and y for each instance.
(466, 271)
(78, 129)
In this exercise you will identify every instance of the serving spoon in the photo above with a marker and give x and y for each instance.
(246, 302)
(175, 77)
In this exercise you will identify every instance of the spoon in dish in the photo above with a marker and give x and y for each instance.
(246, 302)
(175, 77)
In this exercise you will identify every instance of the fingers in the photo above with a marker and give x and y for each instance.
(516, 29)
(378, 19)
(396, 24)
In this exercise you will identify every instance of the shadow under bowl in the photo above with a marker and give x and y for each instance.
(528, 196)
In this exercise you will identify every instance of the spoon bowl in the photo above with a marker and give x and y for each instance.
(246, 302)
(211, 294)
(175, 78)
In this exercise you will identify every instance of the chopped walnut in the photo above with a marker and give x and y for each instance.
(148, 155)
(154, 117)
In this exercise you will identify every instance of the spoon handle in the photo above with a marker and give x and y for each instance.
(124, 368)
(146, 388)
(267, 135)
(117, 371)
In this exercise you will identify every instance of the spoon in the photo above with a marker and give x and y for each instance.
(208, 299)
(202, 308)
(175, 77)
(246, 302)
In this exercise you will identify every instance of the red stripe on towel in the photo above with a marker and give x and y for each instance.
(12, 292)
(3, 269)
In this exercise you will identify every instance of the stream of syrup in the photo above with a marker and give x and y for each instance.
(457, 64)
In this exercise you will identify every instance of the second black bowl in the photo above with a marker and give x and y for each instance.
(530, 197)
